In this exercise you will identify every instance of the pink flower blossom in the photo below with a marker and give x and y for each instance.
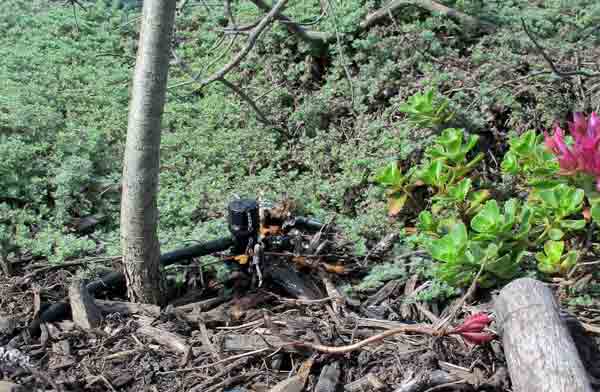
(584, 155)
(472, 329)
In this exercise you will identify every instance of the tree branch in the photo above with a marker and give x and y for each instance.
(557, 72)
(251, 42)
(310, 37)
(261, 117)
(429, 5)
(187, 70)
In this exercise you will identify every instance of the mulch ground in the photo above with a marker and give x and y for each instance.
(242, 343)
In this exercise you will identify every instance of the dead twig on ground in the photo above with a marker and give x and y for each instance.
(420, 329)
(232, 358)
(555, 70)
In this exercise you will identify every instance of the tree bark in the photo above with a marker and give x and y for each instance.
(139, 213)
(540, 353)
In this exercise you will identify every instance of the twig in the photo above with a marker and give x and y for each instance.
(231, 381)
(251, 42)
(465, 298)
(557, 72)
(261, 116)
(448, 384)
(240, 363)
(310, 37)
(75, 263)
(227, 12)
(300, 301)
(429, 5)
(372, 339)
(232, 358)
(341, 50)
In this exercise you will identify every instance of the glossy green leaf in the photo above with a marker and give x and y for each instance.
(556, 234)
(510, 163)
(554, 250)
(572, 224)
(488, 219)
(595, 211)
(461, 190)
(451, 246)
(390, 175)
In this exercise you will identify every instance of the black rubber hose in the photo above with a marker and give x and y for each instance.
(115, 280)
(308, 223)
(203, 249)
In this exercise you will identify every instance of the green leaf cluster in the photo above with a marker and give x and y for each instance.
(427, 109)
(495, 244)
(443, 170)
(554, 260)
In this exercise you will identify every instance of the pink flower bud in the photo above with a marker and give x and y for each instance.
(477, 337)
(474, 323)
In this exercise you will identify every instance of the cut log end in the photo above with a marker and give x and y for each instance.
(540, 353)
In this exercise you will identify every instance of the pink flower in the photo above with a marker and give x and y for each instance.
(477, 337)
(472, 329)
(584, 155)
(474, 323)
(566, 159)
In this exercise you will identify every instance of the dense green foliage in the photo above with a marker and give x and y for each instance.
(63, 114)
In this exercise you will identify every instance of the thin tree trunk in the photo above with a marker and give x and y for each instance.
(139, 213)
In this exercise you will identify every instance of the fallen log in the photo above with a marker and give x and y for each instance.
(540, 353)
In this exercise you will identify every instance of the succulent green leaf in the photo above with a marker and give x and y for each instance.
(451, 246)
(595, 210)
(554, 250)
(510, 163)
(572, 224)
(461, 190)
(488, 219)
(556, 234)
(390, 175)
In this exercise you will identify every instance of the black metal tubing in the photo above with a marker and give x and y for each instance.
(115, 280)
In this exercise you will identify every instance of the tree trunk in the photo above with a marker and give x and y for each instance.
(139, 213)
(540, 353)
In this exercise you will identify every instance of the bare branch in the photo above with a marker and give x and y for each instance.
(340, 49)
(262, 118)
(559, 73)
(227, 12)
(251, 42)
(429, 5)
(308, 36)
